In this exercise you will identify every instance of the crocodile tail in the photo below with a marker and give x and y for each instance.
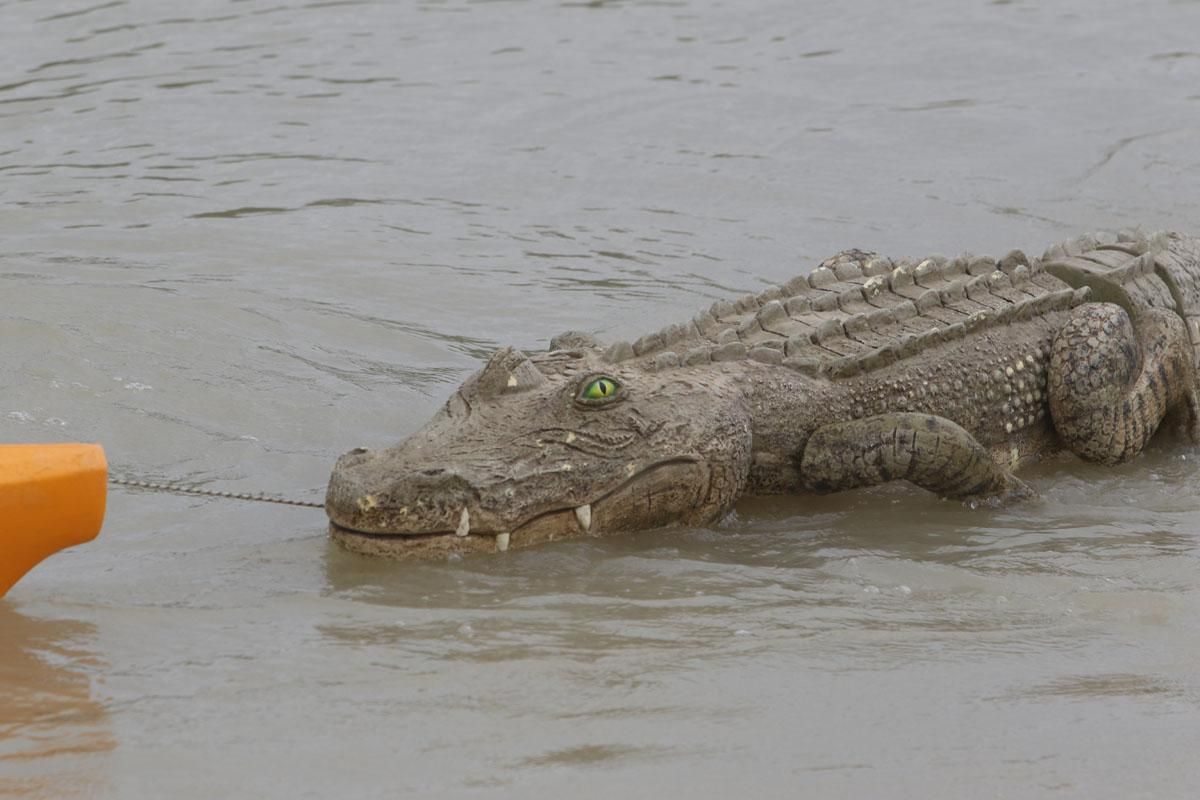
(1135, 271)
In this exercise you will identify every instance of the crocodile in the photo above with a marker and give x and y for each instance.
(948, 373)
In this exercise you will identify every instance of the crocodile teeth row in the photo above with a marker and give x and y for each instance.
(584, 515)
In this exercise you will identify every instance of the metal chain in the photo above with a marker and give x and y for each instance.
(178, 489)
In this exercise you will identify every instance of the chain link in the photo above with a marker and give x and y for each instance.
(178, 489)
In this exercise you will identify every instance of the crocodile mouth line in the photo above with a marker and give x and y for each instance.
(427, 535)
(582, 513)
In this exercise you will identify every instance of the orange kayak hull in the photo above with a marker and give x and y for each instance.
(52, 496)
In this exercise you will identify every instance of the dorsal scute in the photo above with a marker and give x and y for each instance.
(572, 340)
(1135, 270)
(856, 311)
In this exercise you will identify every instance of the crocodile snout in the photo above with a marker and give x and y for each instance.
(368, 493)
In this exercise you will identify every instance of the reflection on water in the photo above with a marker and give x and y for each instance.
(52, 727)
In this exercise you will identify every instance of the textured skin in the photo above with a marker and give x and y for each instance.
(929, 451)
(948, 373)
(1111, 383)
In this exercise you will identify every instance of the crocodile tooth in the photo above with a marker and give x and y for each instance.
(583, 513)
(464, 524)
(502, 542)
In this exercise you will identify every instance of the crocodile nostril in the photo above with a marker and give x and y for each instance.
(358, 451)
(430, 473)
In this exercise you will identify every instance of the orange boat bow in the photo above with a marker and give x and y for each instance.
(51, 497)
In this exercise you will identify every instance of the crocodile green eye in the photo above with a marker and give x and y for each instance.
(599, 389)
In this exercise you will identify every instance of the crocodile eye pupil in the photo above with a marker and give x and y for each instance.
(600, 389)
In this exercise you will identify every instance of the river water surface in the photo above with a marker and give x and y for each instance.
(239, 237)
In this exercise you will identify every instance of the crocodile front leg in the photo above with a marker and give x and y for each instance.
(932, 452)
(1111, 381)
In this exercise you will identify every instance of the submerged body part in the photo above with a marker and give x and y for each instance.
(947, 373)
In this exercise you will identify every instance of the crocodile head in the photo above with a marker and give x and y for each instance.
(560, 445)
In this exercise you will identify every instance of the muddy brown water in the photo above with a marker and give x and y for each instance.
(239, 238)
